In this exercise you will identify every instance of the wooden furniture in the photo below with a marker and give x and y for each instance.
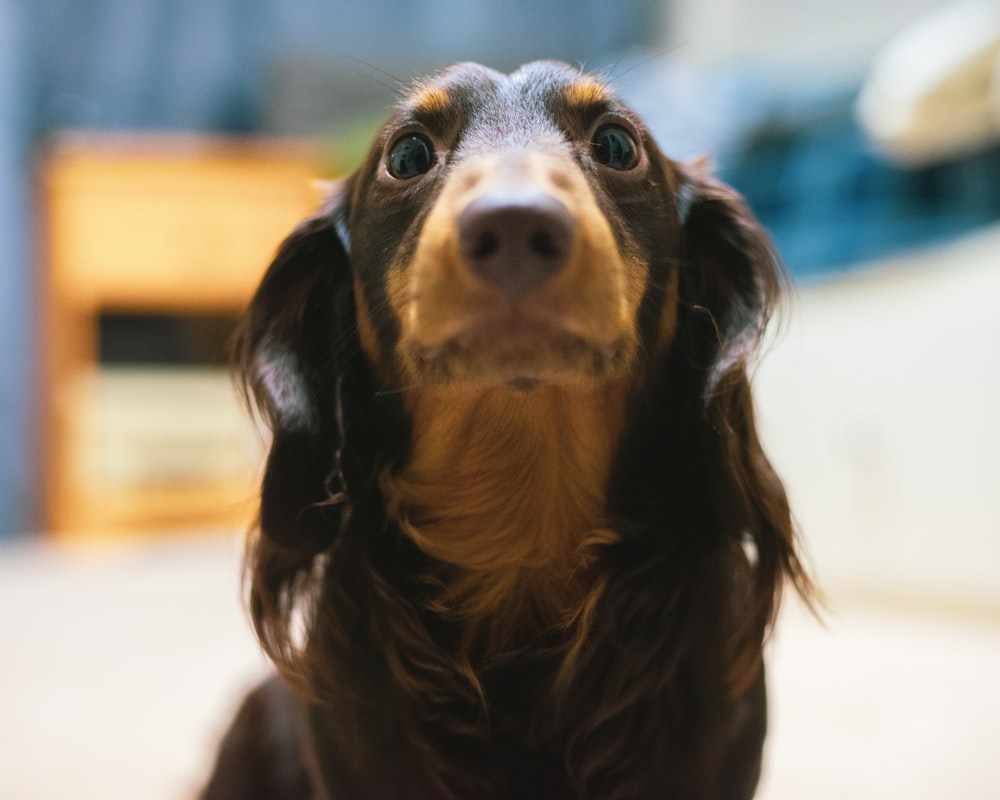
(151, 224)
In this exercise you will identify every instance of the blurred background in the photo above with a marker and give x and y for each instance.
(154, 152)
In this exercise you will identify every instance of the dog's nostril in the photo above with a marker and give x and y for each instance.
(515, 239)
(485, 245)
(542, 243)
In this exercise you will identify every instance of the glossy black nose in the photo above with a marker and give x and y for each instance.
(516, 240)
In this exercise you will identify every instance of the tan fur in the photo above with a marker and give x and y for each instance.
(586, 93)
(668, 316)
(366, 328)
(430, 100)
(507, 489)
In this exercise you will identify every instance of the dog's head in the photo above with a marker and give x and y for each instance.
(516, 253)
(526, 228)
(504, 231)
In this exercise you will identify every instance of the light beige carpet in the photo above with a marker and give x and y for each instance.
(120, 668)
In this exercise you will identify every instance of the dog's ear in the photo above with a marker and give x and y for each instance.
(731, 276)
(732, 280)
(288, 352)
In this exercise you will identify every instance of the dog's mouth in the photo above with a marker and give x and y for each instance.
(520, 352)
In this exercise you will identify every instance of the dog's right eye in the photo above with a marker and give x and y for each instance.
(410, 156)
(614, 147)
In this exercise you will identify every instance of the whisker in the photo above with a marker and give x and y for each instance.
(339, 346)
(398, 85)
(655, 56)
(396, 390)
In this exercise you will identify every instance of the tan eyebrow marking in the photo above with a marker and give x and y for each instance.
(432, 100)
(586, 93)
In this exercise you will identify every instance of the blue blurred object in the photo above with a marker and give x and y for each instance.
(154, 64)
(803, 164)
(831, 203)
(16, 285)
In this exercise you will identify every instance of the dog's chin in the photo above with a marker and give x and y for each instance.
(520, 359)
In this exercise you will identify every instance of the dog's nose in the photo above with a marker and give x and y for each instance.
(516, 240)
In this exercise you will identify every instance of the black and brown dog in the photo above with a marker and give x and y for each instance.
(518, 537)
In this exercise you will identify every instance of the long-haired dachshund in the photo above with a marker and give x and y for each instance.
(518, 537)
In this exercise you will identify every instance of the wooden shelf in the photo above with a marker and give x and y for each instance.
(142, 224)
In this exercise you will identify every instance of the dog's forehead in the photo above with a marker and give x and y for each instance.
(534, 99)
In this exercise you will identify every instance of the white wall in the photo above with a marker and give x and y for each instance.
(880, 404)
(814, 36)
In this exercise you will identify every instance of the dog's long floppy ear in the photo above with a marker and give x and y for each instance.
(290, 351)
(732, 277)
(731, 282)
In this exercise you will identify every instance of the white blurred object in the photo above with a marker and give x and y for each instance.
(934, 91)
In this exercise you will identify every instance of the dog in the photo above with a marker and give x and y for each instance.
(518, 537)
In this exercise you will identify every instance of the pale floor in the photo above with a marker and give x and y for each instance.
(121, 667)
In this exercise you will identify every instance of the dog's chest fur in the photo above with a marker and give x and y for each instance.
(506, 490)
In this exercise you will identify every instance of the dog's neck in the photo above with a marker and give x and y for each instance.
(506, 489)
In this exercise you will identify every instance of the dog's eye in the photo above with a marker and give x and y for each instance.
(411, 156)
(614, 147)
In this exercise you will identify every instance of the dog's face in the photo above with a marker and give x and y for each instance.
(507, 229)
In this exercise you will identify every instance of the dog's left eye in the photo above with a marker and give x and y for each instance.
(411, 156)
(614, 147)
